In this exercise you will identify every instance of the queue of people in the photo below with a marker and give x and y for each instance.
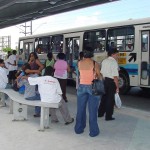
(54, 79)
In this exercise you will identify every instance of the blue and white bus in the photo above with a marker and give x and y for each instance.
(131, 37)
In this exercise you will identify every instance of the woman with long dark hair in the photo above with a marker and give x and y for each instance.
(85, 96)
(35, 63)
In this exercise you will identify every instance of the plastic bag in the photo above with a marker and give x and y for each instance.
(118, 102)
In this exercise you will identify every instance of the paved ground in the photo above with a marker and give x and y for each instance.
(130, 131)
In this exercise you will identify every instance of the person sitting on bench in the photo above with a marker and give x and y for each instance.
(50, 92)
(30, 90)
(3, 79)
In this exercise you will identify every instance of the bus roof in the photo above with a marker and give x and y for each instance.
(92, 27)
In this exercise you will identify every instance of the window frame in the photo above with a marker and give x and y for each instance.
(99, 46)
(127, 38)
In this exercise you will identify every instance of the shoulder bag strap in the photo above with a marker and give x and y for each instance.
(94, 72)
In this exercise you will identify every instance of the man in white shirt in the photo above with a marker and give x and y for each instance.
(110, 73)
(50, 92)
(3, 79)
(3, 75)
(129, 46)
(12, 66)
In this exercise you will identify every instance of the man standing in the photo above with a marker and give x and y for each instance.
(109, 70)
(12, 66)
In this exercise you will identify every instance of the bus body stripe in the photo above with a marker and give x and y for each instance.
(132, 69)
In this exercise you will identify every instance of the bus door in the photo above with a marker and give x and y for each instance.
(28, 47)
(72, 53)
(72, 49)
(145, 58)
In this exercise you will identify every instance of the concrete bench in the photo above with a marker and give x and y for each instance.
(18, 107)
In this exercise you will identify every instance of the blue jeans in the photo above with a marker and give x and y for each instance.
(84, 96)
(36, 97)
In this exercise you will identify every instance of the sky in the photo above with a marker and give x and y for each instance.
(105, 13)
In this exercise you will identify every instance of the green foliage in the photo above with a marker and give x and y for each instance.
(6, 49)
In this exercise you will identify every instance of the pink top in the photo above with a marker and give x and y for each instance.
(60, 69)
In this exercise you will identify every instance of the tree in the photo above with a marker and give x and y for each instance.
(6, 49)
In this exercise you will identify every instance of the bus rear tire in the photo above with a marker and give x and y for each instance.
(124, 84)
(145, 89)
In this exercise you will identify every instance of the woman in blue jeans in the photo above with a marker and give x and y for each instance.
(84, 95)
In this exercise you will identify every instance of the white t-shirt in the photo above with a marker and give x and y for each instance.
(6, 63)
(12, 59)
(3, 78)
(49, 88)
(109, 68)
(129, 48)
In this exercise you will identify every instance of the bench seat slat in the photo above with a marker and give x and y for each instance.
(15, 96)
(19, 107)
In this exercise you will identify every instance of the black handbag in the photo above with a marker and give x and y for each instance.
(97, 85)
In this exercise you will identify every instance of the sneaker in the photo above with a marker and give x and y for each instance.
(100, 115)
(66, 100)
(54, 121)
(109, 119)
(72, 120)
(37, 115)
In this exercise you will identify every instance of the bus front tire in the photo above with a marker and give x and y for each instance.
(124, 85)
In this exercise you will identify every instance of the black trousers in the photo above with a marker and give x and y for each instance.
(107, 102)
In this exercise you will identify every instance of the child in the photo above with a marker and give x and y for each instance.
(50, 91)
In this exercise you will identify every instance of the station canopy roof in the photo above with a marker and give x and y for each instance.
(13, 12)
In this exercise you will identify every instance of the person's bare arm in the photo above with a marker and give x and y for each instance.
(12, 64)
(41, 66)
(97, 70)
(68, 68)
(28, 71)
(24, 77)
(15, 63)
(117, 84)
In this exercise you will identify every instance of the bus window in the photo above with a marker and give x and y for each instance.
(144, 42)
(57, 44)
(28, 48)
(95, 39)
(42, 45)
(20, 47)
(121, 38)
(75, 49)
